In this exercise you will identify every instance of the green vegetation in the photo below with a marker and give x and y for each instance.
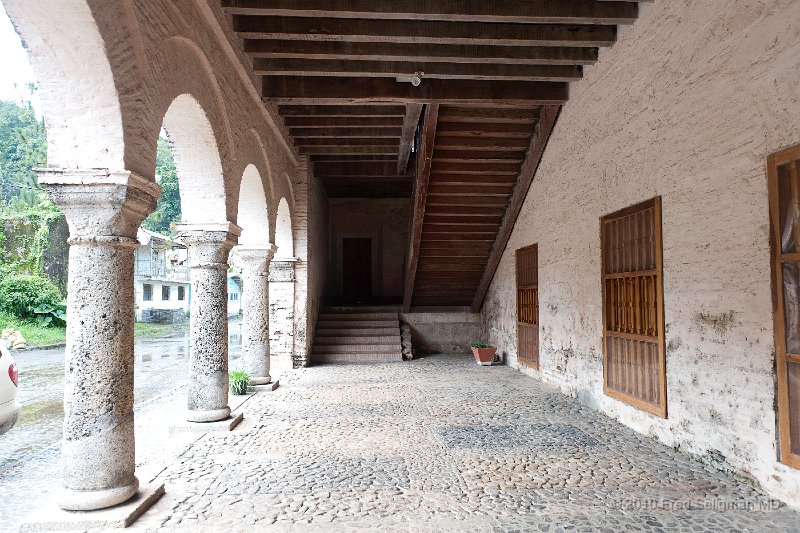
(23, 147)
(34, 332)
(239, 381)
(30, 298)
(168, 211)
(480, 345)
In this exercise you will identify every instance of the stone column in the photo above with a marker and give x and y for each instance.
(104, 210)
(209, 246)
(254, 261)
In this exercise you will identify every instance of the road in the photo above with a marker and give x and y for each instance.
(29, 453)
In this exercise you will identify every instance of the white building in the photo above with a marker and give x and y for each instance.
(163, 290)
(234, 295)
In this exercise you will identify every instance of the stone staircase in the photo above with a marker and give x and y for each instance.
(357, 335)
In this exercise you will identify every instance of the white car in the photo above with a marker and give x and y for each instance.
(9, 406)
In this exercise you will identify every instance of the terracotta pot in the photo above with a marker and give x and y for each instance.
(484, 355)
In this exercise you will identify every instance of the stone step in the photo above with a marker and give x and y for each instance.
(371, 357)
(357, 332)
(357, 316)
(358, 348)
(366, 339)
(358, 324)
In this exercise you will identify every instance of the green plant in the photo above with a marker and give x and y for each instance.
(240, 381)
(52, 313)
(480, 345)
(21, 295)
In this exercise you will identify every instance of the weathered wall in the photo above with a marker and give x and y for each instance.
(36, 245)
(687, 105)
(385, 221)
(443, 332)
(317, 253)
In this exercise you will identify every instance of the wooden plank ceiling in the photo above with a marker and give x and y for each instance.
(464, 144)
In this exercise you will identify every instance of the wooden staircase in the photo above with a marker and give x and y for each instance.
(357, 335)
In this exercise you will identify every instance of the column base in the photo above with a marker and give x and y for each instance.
(270, 386)
(92, 500)
(226, 424)
(212, 415)
(51, 518)
(261, 380)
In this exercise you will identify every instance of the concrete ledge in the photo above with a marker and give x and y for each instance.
(204, 427)
(51, 518)
(267, 387)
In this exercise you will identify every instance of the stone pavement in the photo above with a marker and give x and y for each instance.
(442, 444)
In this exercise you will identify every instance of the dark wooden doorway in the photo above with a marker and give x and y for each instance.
(357, 271)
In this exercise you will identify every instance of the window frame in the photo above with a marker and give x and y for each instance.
(661, 409)
(145, 287)
(777, 257)
(166, 290)
(181, 293)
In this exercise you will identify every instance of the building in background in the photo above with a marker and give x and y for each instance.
(163, 289)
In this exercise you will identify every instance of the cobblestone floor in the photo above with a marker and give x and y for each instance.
(442, 444)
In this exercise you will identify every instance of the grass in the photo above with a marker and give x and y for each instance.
(34, 333)
(37, 335)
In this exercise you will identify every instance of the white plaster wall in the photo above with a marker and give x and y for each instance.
(443, 332)
(687, 105)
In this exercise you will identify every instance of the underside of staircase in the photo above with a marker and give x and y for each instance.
(357, 335)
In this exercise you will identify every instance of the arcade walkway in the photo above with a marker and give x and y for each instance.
(441, 444)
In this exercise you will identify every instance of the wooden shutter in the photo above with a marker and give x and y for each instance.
(784, 201)
(528, 306)
(634, 364)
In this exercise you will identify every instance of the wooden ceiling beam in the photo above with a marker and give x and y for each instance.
(419, 197)
(399, 69)
(349, 141)
(342, 110)
(488, 115)
(342, 122)
(414, 52)
(466, 143)
(347, 150)
(529, 11)
(343, 133)
(338, 158)
(300, 90)
(527, 173)
(410, 125)
(356, 168)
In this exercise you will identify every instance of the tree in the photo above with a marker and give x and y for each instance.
(168, 210)
(23, 147)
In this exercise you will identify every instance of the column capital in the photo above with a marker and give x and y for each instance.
(102, 207)
(209, 244)
(256, 258)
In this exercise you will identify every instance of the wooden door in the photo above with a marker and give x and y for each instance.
(635, 362)
(528, 306)
(357, 271)
(784, 200)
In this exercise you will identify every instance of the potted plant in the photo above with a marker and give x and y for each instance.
(484, 354)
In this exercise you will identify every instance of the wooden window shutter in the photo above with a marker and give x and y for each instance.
(634, 362)
(528, 306)
(783, 171)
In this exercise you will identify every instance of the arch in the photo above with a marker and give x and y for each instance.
(197, 161)
(284, 239)
(252, 212)
(80, 100)
(183, 96)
